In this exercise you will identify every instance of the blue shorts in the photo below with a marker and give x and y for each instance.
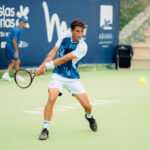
(10, 52)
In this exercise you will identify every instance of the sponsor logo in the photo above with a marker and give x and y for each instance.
(53, 21)
(50, 22)
(3, 43)
(7, 16)
(106, 17)
(7, 20)
(23, 12)
(22, 44)
(106, 21)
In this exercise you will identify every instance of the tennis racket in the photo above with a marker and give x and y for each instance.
(24, 78)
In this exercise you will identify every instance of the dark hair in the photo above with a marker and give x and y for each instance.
(79, 23)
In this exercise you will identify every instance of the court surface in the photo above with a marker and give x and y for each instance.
(121, 107)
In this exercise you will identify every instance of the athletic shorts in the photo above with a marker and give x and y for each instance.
(10, 52)
(72, 85)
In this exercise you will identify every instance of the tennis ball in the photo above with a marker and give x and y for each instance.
(142, 80)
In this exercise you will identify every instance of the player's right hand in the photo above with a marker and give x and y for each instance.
(37, 72)
(16, 55)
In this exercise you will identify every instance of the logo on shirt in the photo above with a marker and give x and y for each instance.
(106, 17)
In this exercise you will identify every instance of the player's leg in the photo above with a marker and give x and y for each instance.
(48, 112)
(17, 64)
(10, 66)
(6, 74)
(9, 52)
(55, 90)
(84, 101)
(76, 88)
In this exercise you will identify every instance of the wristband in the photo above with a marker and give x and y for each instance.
(49, 64)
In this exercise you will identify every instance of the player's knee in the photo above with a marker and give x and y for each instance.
(18, 62)
(12, 62)
(52, 100)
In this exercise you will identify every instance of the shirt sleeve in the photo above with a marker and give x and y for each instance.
(80, 51)
(66, 34)
(59, 41)
(16, 33)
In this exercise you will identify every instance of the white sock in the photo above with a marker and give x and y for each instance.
(89, 115)
(46, 124)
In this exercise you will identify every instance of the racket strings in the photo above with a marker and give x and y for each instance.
(23, 78)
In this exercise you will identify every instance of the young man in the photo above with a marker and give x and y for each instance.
(69, 49)
(11, 50)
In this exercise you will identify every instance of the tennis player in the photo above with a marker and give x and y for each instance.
(69, 49)
(11, 49)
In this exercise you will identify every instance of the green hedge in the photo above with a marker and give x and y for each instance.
(131, 8)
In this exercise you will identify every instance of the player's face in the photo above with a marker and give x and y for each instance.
(77, 33)
(22, 24)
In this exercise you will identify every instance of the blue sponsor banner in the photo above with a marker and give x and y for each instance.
(48, 19)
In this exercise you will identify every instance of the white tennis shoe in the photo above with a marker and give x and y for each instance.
(6, 76)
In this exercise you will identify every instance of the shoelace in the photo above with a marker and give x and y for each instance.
(91, 120)
(45, 131)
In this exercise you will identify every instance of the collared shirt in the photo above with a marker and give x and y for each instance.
(79, 49)
(15, 33)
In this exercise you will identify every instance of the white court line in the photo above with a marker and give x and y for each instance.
(61, 108)
(33, 112)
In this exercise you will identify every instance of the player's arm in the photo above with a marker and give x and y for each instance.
(54, 63)
(60, 61)
(64, 59)
(15, 47)
(79, 52)
(51, 55)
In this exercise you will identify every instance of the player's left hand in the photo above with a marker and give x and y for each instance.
(41, 70)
